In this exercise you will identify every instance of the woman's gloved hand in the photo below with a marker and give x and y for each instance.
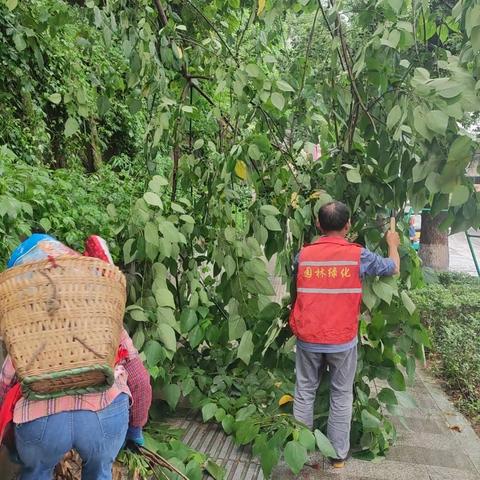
(135, 435)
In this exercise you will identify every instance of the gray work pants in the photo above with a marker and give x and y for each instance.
(309, 368)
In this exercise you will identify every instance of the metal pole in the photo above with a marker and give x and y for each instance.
(472, 251)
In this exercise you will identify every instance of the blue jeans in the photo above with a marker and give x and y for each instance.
(96, 436)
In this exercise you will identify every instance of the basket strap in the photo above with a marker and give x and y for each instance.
(53, 304)
(99, 355)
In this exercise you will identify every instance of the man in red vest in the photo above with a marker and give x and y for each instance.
(324, 318)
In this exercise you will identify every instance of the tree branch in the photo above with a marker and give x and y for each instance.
(212, 26)
(161, 12)
(348, 64)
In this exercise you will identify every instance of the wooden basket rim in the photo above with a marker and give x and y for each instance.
(61, 260)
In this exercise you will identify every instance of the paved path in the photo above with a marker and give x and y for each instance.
(460, 256)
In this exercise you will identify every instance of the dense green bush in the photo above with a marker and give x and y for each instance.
(67, 203)
(451, 311)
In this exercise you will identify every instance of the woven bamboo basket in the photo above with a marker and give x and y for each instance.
(61, 321)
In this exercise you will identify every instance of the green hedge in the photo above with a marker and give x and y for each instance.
(450, 309)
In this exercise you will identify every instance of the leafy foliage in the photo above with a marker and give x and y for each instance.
(67, 203)
(234, 92)
(165, 441)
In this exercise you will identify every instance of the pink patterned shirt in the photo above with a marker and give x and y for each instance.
(28, 410)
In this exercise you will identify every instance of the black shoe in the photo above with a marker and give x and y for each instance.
(337, 462)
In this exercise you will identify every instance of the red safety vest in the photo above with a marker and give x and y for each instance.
(329, 292)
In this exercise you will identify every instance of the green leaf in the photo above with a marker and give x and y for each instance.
(55, 98)
(167, 335)
(177, 208)
(437, 121)
(127, 251)
(215, 471)
(295, 456)
(396, 5)
(134, 105)
(236, 327)
(460, 151)
(153, 199)
(432, 182)
(229, 265)
(151, 233)
(459, 196)
(196, 336)
(153, 352)
(246, 431)
(284, 86)
(254, 152)
(269, 457)
(208, 411)
(228, 423)
(254, 71)
(353, 176)
(397, 381)
(19, 42)
(383, 290)
(138, 315)
(369, 298)
(394, 117)
(387, 396)
(198, 144)
(164, 298)
(407, 302)
(324, 445)
(370, 422)
(156, 183)
(272, 224)
(46, 224)
(420, 124)
(172, 395)
(278, 100)
(450, 89)
(193, 470)
(245, 349)
(245, 413)
(71, 127)
(472, 19)
(187, 219)
(165, 315)
(138, 338)
(475, 38)
(307, 439)
(188, 320)
(11, 4)
(269, 210)
(103, 105)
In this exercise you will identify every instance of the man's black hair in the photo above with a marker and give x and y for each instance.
(333, 216)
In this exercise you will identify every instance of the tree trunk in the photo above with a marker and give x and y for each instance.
(434, 243)
(93, 154)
